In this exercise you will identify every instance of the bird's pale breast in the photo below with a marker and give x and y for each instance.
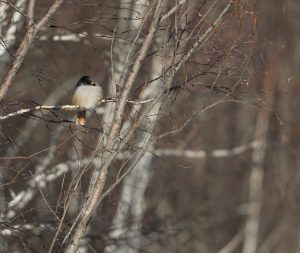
(87, 96)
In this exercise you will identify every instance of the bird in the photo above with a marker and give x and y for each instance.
(86, 94)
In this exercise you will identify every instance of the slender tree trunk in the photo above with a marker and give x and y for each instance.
(258, 161)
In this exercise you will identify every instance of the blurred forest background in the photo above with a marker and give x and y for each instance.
(222, 173)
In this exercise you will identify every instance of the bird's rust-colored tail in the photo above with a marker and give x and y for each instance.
(80, 120)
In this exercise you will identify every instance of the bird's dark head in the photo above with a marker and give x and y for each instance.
(86, 80)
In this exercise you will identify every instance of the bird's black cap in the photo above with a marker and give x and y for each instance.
(85, 80)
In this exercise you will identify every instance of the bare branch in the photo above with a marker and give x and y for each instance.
(64, 107)
(171, 11)
(15, 8)
(24, 47)
(39, 108)
(9, 230)
(232, 245)
(203, 38)
(31, 12)
(93, 200)
(200, 154)
(42, 179)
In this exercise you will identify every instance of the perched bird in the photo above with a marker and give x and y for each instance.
(87, 93)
